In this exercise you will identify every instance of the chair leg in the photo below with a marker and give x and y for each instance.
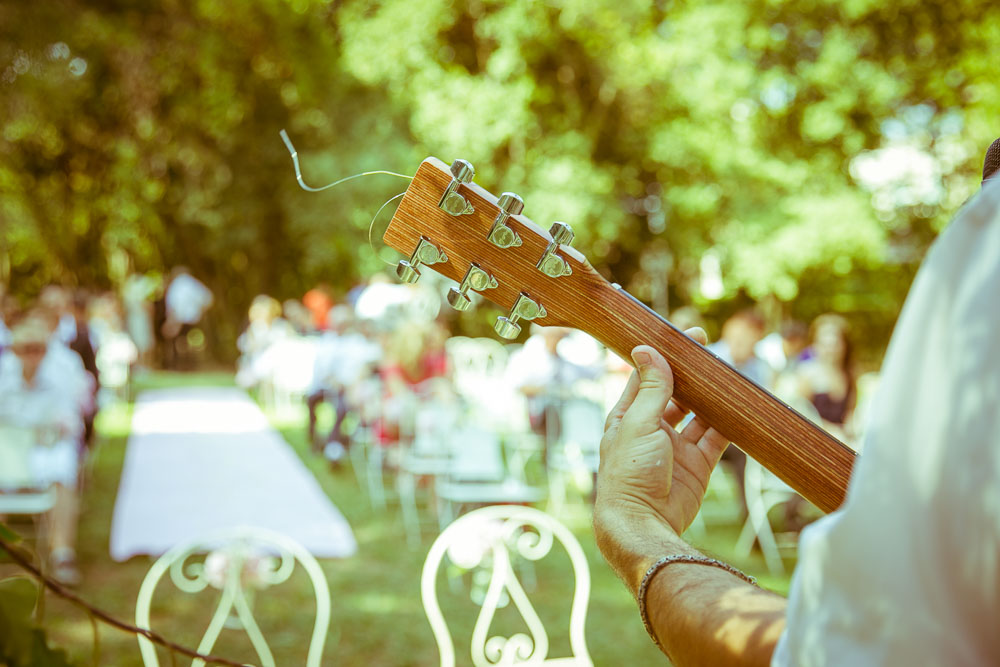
(406, 486)
(376, 484)
(359, 459)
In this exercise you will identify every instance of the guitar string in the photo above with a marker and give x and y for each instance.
(298, 177)
(372, 226)
(302, 183)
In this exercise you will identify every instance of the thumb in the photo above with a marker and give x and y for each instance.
(656, 385)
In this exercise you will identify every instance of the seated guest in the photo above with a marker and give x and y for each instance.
(344, 358)
(541, 371)
(740, 335)
(827, 380)
(255, 366)
(185, 301)
(34, 378)
(736, 347)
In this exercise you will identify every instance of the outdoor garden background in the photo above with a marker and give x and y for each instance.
(797, 156)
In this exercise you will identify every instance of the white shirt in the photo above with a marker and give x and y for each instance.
(907, 572)
(51, 402)
(753, 368)
(534, 366)
(187, 299)
(342, 359)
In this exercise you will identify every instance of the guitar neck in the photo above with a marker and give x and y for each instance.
(811, 461)
(806, 457)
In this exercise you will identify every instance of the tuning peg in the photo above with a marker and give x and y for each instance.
(552, 264)
(452, 202)
(425, 253)
(475, 279)
(524, 308)
(500, 234)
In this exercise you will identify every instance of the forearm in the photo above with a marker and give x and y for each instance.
(702, 615)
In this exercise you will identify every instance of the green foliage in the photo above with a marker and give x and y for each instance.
(140, 135)
(22, 643)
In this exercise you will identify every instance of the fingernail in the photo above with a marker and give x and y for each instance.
(641, 357)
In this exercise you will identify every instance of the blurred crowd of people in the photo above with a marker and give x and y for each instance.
(810, 367)
(383, 354)
(49, 381)
(63, 356)
(375, 357)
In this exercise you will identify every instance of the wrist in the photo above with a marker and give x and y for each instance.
(632, 540)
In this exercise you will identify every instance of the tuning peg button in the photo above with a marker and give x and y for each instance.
(452, 202)
(425, 253)
(507, 329)
(475, 279)
(551, 264)
(524, 308)
(561, 233)
(500, 234)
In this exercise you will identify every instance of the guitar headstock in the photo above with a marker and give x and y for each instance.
(449, 224)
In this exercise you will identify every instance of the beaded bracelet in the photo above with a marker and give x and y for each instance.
(679, 558)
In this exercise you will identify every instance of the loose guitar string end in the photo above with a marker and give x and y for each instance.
(298, 171)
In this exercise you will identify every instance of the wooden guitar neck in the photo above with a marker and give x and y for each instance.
(448, 224)
(806, 457)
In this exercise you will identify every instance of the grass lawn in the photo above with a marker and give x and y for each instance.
(377, 614)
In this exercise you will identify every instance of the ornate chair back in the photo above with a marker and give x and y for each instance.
(239, 562)
(493, 538)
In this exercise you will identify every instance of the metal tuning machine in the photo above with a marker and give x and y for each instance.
(551, 264)
(523, 309)
(500, 234)
(425, 253)
(451, 202)
(475, 279)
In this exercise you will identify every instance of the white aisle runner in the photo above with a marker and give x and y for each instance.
(200, 460)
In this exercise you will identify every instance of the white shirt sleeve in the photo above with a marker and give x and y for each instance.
(907, 572)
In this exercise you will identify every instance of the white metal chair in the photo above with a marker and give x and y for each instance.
(479, 476)
(495, 538)
(239, 562)
(19, 490)
(429, 454)
(576, 454)
(763, 491)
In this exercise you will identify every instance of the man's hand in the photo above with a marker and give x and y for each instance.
(650, 471)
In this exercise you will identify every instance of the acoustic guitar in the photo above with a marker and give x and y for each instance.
(483, 242)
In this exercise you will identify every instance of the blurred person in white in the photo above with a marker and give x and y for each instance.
(186, 299)
(737, 347)
(69, 352)
(541, 371)
(66, 313)
(344, 358)
(57, 304)
(137, 295)
(115, 350)
(784, 350)
(906, 571)
(299, 317)
(265, 328)
(34, 381)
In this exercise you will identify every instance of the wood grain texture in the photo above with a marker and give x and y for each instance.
(807, 458)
